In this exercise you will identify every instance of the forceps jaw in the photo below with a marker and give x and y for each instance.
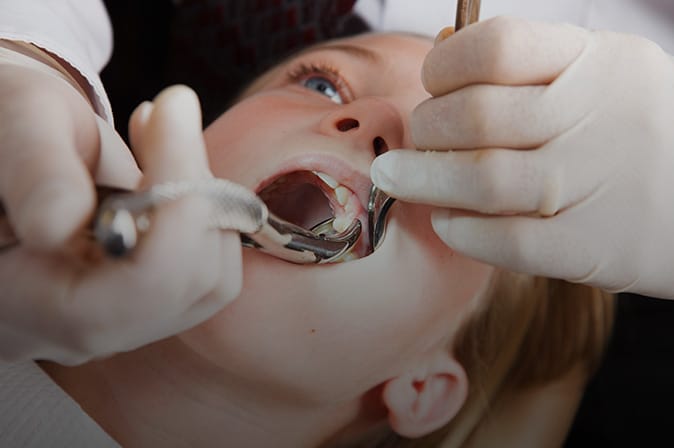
(292, 243)
(379, 204)
(123, 217)
(377, 212)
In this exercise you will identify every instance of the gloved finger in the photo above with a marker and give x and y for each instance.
(171, 146)
(172, 149)
(490, 116)
(493, 181)
(503, 50)
(45, 157)
(116, 165)
(138, 121)
(531, 245)
(180, 261)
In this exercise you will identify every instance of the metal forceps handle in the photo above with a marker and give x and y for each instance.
(467, 12)
(123, 216)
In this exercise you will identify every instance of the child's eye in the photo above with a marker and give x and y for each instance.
(324, 86)
(323, 79)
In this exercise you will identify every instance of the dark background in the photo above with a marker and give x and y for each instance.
(630, 402)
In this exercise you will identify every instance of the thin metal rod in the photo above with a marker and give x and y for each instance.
(467, 12)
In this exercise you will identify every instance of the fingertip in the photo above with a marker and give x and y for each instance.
(427, 73)
(138, 121)
(423, 122)
(178, 99)
(116, 165)
(384, 170)
(443, 34)
(440, 222)
(175, 116)
(171, 145)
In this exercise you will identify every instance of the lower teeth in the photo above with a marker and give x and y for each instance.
(324, 227)
(327, 228)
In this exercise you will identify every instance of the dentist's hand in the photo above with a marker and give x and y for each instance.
(52, 147)
(554, 153)
(61, 302)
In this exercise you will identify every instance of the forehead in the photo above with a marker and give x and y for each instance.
(378, 50)
(399, 53)
(393, 42)
(422, 42)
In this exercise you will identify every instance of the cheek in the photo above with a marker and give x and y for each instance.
(232, 148)
(255, 129)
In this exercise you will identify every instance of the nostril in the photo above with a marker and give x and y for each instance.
(347, 124)
(379, 145)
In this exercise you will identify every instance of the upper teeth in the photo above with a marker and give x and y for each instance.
(332, 183)
(343, 195)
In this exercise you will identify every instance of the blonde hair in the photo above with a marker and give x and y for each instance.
(528, 332)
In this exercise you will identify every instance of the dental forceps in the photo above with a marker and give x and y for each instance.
(379, 204)
(124, 215)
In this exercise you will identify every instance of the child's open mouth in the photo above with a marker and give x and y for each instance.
(309, 198)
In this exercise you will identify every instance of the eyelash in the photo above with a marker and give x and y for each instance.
(302, 71)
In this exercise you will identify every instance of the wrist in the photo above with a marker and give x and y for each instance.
(29, 55)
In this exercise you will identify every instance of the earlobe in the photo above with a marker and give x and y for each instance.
(426, 399)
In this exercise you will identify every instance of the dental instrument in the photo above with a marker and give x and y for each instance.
(379, 204)
(124, 215)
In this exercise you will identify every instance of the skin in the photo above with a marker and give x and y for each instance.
(299, 356)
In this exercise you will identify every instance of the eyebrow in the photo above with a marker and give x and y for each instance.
(352, 50)
(362, 53)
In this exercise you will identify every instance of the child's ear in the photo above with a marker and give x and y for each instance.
(425, 399)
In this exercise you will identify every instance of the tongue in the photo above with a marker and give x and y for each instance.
(295, 198)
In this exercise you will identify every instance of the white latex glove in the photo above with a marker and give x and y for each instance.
(554, 151)
(56, 301)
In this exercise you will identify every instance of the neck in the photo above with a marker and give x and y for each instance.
(166, 395)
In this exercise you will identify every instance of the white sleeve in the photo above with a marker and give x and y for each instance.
(430, 16)
(35, 412)
(653, 19)
(77, 31)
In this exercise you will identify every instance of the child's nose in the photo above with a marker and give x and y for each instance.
(372, 124)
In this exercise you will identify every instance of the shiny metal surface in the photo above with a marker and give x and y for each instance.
(467, 12)
(379, 204)
(124, 216)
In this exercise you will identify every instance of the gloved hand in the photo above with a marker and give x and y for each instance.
(57, 301)
(50, 148)
(554, 153)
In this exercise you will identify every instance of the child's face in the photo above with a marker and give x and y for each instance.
(322, 333)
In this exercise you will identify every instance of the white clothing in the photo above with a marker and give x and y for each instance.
(653, 19)
(79, 31)
(36, 413)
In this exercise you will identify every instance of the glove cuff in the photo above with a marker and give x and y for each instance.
(28, 55)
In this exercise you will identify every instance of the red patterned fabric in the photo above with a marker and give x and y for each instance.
(219, 45)
(229, 40)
